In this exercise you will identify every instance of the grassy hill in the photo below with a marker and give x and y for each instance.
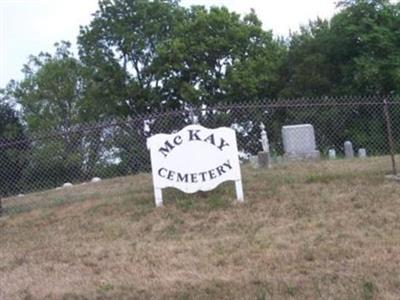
(328, 230)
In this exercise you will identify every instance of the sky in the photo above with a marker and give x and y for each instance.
(30, 26)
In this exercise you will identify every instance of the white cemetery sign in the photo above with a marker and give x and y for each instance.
(194, 159)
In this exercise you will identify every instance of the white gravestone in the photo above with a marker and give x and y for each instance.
(264, 138)
(194, 159)
(362, 153)
(299, 142)
(332, 154)
(264, 157)
(348, 150)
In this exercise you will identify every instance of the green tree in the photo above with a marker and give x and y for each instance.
(356, 52)
(215, 56)
(119, 48)
(367, 32)
(13, 146)
(146, 55)
(52, 96)
(309, 69)
(52, 91)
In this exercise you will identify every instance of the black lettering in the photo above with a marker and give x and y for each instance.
(193, 177)
(228, 164)
(210, 139)
(203, 176)
(221, 170)
(212, 174)
(162, 169)
(222, 144)
(183, 178)
(193, 135)
(178, 140)
(171, 175)
(167, 147)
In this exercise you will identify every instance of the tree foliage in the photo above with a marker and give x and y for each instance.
(13, 145)
(52, 92)
(53, 97)
(215, 56)
(159, 54)
(356, 52)
(119, 48)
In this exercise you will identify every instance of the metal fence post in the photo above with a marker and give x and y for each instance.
(390, 134)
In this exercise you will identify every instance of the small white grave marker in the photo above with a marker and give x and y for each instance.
(362, 153)
(194, 159)
(332, 154)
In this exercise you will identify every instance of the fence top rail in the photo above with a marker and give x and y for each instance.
(302, 103)
(298, 105)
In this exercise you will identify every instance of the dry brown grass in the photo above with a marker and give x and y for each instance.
(329, 230)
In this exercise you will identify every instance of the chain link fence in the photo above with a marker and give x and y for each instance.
(48, 160)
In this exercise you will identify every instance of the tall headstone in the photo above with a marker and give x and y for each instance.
(299, 142)
(348, 150)
(332, 154)
(263, 157)
(362, 153)
(264, 139)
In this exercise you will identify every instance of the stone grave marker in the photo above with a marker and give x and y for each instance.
(348, 150)
(362, 153)
(254, 162)
(264, 156)
(332, 154)
(299, 142)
